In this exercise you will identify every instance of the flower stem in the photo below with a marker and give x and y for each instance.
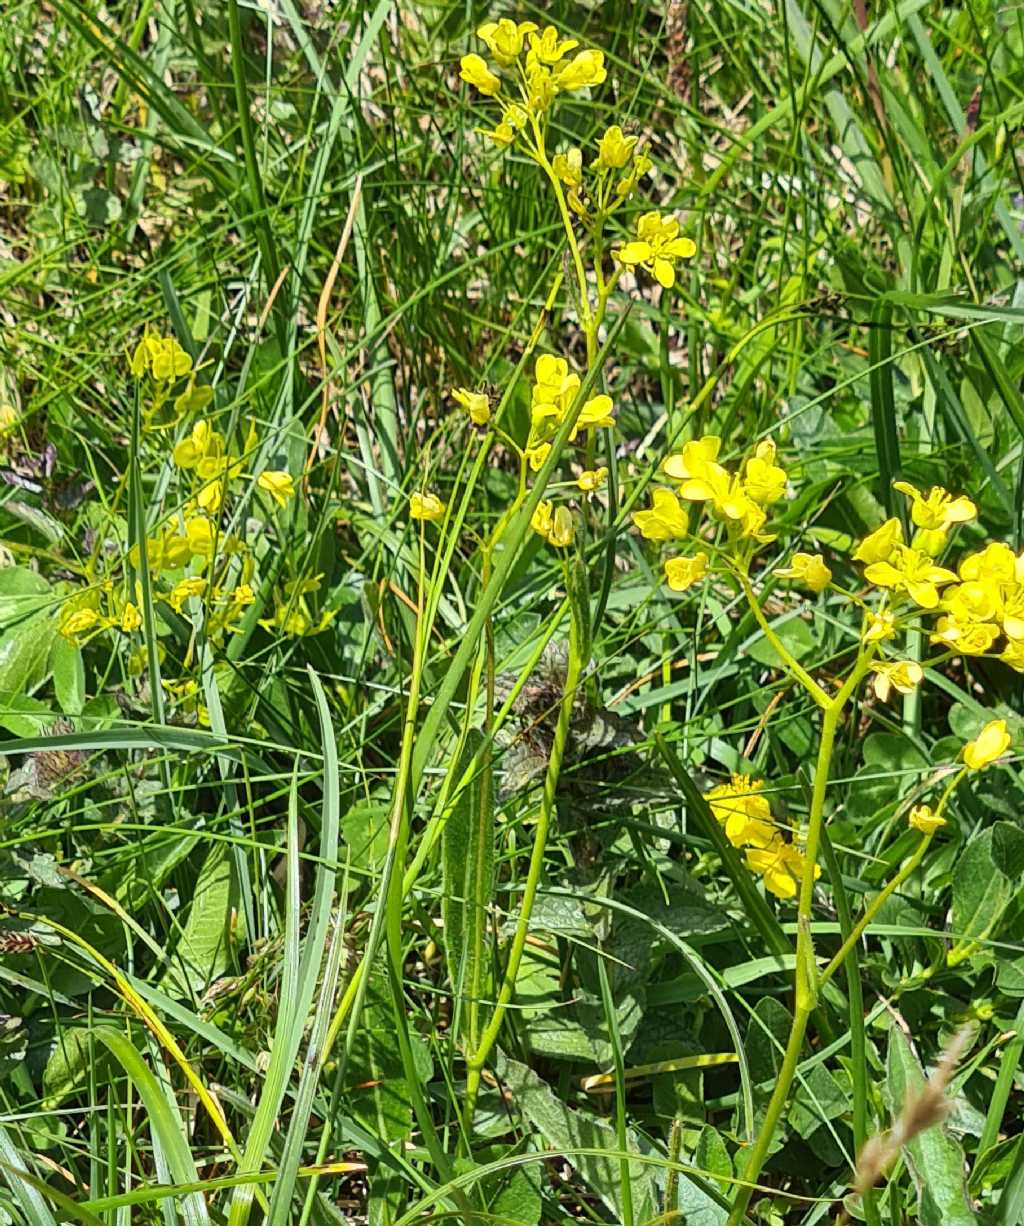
(798, 671)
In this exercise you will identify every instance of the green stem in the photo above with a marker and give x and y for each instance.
(798, 671)
(872, 909)
(478, 1059)
(806, 976)
(805, 995)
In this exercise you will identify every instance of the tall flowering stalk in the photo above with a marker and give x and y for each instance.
(711, 522)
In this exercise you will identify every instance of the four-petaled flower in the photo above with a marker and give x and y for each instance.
(665, 521)
(901, 675)
(505, 39)
(657, 247)
(913, 572)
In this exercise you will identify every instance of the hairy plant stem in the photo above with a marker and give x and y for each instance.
(476, 1061)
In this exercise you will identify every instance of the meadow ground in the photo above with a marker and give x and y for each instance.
(498, 722)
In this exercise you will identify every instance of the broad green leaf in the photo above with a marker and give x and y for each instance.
(565, 1129)
(794, 634)
(981, 892)
(935, 1160)
(68, 675)
(202, 953)
(22, 593)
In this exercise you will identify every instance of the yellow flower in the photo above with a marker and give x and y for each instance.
(537, 455)
(243, 595)
(879, 545)
(728, 497)
(657, 247)
(80, 622)
(592, 479)
(665, 521)
(695, 460)
(808, 569)
(163, 357)
(1013, 612)
(938, 510)
(279, 485)
(993, 564)
(199, 540)
(781, 865)
(131, 618)
(203, 444)
(879, 626)
(553, 384)
(555, 524)
(990, 743)
(585, 68)
(596, 414)
(547, 48)
(426, 506)
(641, 165)
(903, 676)
(972, 601)
(614, 149)
(473, 70)
(1013, 654)
(922, 818)
(968, 638)
(683, 573)
(745, 813)
(476, 404)
(540, 87)
(185, 590)
(504, 39)
(175, 550)
(168, 361)
(763, 479)
(912, 572)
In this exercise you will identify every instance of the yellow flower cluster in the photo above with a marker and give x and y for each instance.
(103, 608)
(161, 357)
(554, 393)
(739, 500)
(540, 75)
(979, 607)
(742, 810)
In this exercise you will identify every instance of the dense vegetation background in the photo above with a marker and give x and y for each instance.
(296, 193)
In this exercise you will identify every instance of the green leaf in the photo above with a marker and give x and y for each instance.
(565, 1129)
(22, 593)
(170, 1135)
(68, 675)
(935, 1160)
(202, 952)
(794, 634)
(468, 846)
(981, 892)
